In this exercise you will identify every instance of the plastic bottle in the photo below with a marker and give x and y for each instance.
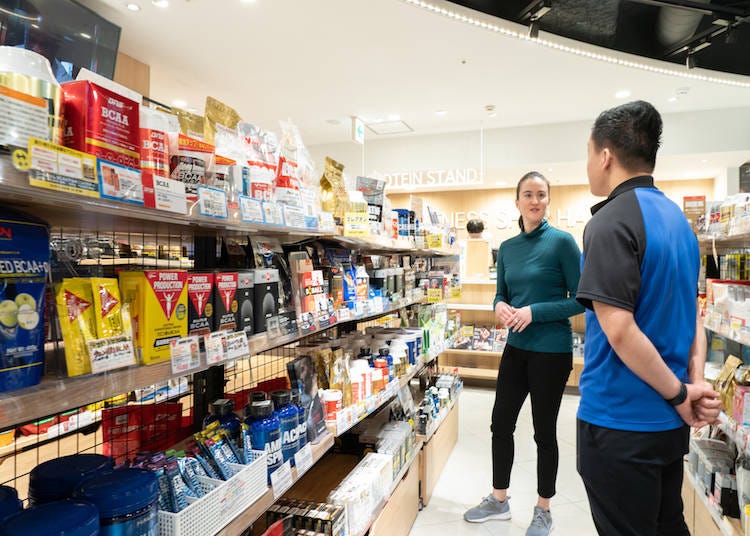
(265, 432)
(222, 410)
(288, 415)
(385, 354)
(302, 419)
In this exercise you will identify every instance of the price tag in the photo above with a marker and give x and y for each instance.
(343, 315)
(455, 292)
(237, 346)
(110, 353)
(434, 241)
(356, 224)
(212, 202)
(120, 182)
(185, 354)
(281, 479)
(359, 308)
(65, 170)
(272, 213)
(377, 305)
(326, 222)
(303, 460)
(434, 295)
(216, 347)
(164, 194)
(294, 216)
(251, 210)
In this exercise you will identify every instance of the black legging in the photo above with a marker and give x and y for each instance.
(544, 376)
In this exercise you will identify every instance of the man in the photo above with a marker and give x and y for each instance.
(642, 383)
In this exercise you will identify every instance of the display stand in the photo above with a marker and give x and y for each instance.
(435, 453)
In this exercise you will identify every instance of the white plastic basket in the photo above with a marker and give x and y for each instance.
(224, 500)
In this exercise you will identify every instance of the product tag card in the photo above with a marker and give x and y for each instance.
(185, 354)
(164, 194)
(237, 346)
(65, 170)
(326, 222)
(281, 479)
(343, 315)
(434, 295)
(303, 460)
(272, 213)
(216, 347)
(119, 182)
(306, 323)
(282, 325)
(111, 353)
(294, 217)
(434, 241)
(356, 224)
(359, 308)
(251, 210)
(212, 203)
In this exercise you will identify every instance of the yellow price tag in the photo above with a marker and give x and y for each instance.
(434, 295)
(434, 241)
(21, 160)
(455, 292)
(356, 224)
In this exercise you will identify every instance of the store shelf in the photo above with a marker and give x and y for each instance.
(471, 373)
(488, 282)
(441, 418)
(55, 395)
(377, 402)
(469, 306)
(739, 241)
(459, 351)
(727, 526)
(249, 516)
(140, 262)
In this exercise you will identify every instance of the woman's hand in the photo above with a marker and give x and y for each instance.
(519, 319)
(503, 313)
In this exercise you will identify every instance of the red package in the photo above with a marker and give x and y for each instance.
(192, 162)
(121, 432)
(160, 426)
(101, 122)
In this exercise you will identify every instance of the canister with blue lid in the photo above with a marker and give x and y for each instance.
(57, 518)
(56, 479)
(127, 500)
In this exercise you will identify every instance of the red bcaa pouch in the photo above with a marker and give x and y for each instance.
(191, 162)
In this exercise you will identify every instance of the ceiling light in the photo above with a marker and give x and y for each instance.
(492, 114)
(248, 1)
(179, 103)
(35, 26)
(160, 3)
(133, 7)
(440, 113)
(614, 60)
(622, 94)
(85, 35)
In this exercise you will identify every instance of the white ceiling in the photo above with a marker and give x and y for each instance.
(325, 60)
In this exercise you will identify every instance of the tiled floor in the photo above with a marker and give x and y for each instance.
(467, 476)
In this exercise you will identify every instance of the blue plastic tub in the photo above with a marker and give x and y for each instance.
(60, 518)
(56, 479)
(127, 500)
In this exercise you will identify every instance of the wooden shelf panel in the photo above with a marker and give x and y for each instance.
(55, 395)
(249, 516)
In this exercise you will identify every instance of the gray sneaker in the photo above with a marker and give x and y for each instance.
(541, 523)
(489, 508)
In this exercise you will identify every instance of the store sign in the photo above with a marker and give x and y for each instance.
(508, 218)
(358, 130)
(434, 178)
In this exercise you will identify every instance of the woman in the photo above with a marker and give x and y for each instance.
(537, 277)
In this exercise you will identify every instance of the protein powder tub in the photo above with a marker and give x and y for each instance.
(9, 503)
(302, 417)
(59, 518)
(288, 415)
(265, 432)
(127, 500)
(56, 479)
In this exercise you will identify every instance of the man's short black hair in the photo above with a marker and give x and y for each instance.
(475, 226)
(632, 132)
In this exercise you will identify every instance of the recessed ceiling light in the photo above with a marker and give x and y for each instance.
(672, 99)
(248, 1)
(85, 35)
(704, 161)
(133, 7)
(179, 103)
(160, 3)
(440, 113)
(549, 169)
(492, 114)
(622, 94)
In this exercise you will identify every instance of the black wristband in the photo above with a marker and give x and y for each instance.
(680, 398)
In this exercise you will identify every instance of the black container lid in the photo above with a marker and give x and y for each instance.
(295, 396)
(384, 351)
(258, 396)
(260, 409)
(281, 398)
(222, 406)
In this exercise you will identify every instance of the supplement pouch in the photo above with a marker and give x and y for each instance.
(191, 162)
(24, 268)
(76, 311)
